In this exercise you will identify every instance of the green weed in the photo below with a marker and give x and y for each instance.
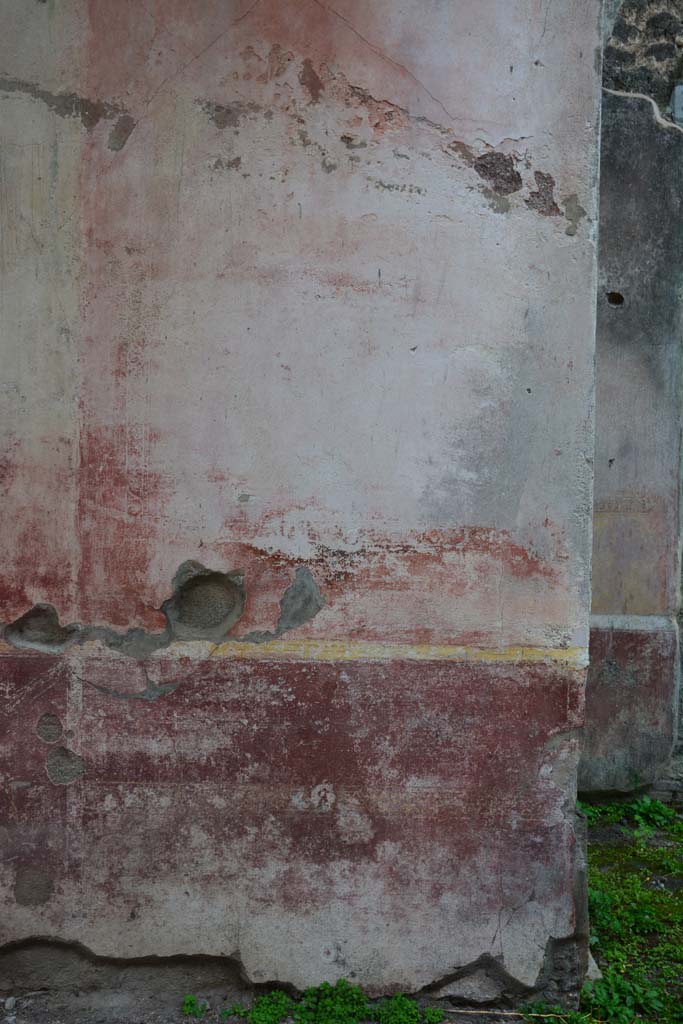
(636, 923)
(193, 1008)
(341, 1003)
(621, 1000)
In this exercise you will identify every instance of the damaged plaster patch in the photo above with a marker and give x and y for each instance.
(574, 212)
(543, 200)
(478, 987)
(39, 630)
(220, 164)
(70, 104)
(49, 728)
(499, 170)
(32, 887)
(63, 766)
(228, 115)
(300, 602)
(481, 981)
(118, 136)
(498, 203)
(502, 174)
(310, 81)
(205, 605)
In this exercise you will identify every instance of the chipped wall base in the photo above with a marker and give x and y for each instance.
(407, 824)
(631, 698)
(70, 972)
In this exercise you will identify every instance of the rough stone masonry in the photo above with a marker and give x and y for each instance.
(297, 401)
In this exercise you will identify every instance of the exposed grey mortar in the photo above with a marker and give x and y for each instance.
(49, 728)
(63, 766)
(151, 692)
(39, 629)
(300, 603)
(205, 605)
(32, 886)
(46, 962)
(122, 128)
(574, 212)
(70, 104)
(228, 115)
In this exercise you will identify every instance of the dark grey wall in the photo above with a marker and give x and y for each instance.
(633, 676)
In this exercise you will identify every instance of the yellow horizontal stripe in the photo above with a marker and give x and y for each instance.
(344, 650)
(364, 650)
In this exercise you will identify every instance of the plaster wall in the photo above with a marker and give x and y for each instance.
(306, 295)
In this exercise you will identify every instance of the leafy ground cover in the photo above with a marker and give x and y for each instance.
(342, 1003)
(635, 893)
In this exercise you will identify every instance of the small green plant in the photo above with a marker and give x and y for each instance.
(603, 814)
(644, 813)
(648, 813)
(432, 1015)
(341, 1003)
(397, 1010)
(267, 1009)
(193, 1008)
(621, 1000)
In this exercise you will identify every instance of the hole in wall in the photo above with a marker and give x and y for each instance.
(39, 628)
(205, 604)
(615, 298)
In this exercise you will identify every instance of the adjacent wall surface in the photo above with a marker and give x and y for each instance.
(299, 299)
(633, 679)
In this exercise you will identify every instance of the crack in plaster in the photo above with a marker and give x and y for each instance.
(183, 67)
(390, 60)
